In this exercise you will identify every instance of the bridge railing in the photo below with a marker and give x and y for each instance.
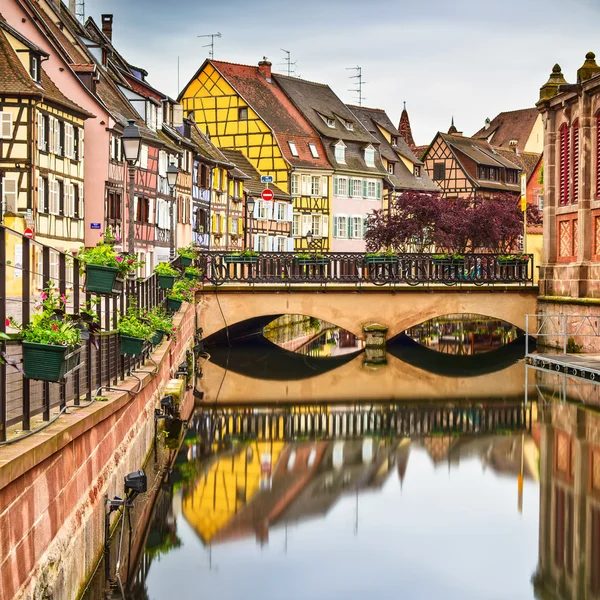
(359, 268)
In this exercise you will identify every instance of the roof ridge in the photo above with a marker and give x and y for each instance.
(504, 112)
(326, 85)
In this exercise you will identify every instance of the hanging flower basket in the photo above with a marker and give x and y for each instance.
(173, 304)
(166, 282)
(132, 346)
(185, 261)
(47, 362)
(100, 279)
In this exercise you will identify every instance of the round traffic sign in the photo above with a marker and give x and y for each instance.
(267, 195)
(28, 233)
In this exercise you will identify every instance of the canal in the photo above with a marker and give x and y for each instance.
(440, 472)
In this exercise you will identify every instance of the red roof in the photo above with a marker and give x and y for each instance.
(269, 101)
(513, 125)
(405, 130)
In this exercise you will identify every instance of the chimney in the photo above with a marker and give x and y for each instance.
(264, 66)
(107, 22)
(487, 123)
(72, 7)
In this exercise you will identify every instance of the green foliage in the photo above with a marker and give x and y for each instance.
(104, 255)
(388, 252)
(166, 269)
(519, 257)
(190, 251)
(193, 272)
(572, 347)
(541, 177)
(245, 253)
(160, 320)
(133, 324)
(184, 290)
(51, 325)
(306, 255)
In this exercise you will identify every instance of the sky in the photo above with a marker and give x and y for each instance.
(467, 59)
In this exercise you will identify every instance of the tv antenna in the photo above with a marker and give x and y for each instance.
(211, 44)
(360, 83)
(288, 64)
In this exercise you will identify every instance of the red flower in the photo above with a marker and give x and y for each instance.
(54, 326)
(7, 323)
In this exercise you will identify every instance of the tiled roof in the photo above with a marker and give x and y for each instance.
(527, 161)
(276, 109)
(511, 125)
(479, 151)
(83, 68)
(405, 130)
(206, 149)
(253, 184)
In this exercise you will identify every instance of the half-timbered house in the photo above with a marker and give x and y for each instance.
(463, 167)
(268, 228)
(244, 108)
(359, 175)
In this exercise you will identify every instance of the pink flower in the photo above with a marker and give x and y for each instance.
(7, 322)
(54, 326)
(63, 298)
(119, 259)
(44, 296)
(130, 260)
(174, 328)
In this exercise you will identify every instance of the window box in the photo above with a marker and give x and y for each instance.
(166, 282)
(241, 259)
(47, 362)
(185, 261)
(316, 260)
(381, 260)
(100, 279)
(174, 305)
(513, 260)
(132, 346)
(158, 337)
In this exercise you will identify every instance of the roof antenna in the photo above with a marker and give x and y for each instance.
(211, 44)
(360, 83)
(288, 64)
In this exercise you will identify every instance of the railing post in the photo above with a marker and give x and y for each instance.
(565, 334)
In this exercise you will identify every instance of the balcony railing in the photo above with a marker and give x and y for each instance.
(358, 268)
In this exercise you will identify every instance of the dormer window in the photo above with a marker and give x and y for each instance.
(340, 152)
(394, 140)
(391, 168)
(293, 149)
(370, 156)
(34, 67)
(328, 121)
(418, 171)
(349, 125)
(313, 150)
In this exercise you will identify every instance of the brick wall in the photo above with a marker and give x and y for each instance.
(52, 485)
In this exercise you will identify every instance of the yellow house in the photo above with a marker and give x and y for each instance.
(243, 108)
(41, 158)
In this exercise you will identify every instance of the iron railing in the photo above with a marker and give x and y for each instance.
(26, 268)
(358, 268)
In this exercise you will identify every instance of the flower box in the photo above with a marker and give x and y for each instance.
(504, 262)
(381, 260)
(191, 276)
(132, 346)
(100, 279)
(158, 337)
(166, 282)
(47, 362)
(173, 304)
(241, 259)
(312, 261)
(185, 261)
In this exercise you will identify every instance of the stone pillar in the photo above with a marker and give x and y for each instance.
(375, 337)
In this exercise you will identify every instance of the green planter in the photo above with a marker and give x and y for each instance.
(100, 279)
(119, 285)
(132, 346)
(158, 337)
(511, 263)
(441, 261)
(166, 282)
(381, 260)
(191, 277)
(173, 304)
(241, 259)
(312, 261)
(47, 362)
(185, 262)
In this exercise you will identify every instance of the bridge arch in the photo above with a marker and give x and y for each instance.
(352, 309)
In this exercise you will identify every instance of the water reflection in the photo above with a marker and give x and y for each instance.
(464, 335)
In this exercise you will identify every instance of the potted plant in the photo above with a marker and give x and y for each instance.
(245, 256)
(134, 333)
(161, 322)
(87, 321)
(51, 339)
(386, 257)
(187, 254)
(183, 291)
(315, 258)
(166, 275)
(193, 273)
(440, 258)
(513, 259)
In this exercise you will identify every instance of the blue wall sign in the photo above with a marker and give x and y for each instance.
(95, 226)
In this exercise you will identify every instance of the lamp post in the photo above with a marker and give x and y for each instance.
(250, 203)
(172, 175)
(131, 141)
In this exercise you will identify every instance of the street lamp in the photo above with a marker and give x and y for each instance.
(172, 175)
(250, 204)
(309, 239)
(131, 141)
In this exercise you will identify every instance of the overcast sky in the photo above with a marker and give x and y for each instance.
(464, 58)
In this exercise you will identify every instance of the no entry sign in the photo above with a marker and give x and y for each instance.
(267, 195)
(28, 233)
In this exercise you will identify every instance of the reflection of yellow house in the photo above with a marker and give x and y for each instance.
(231, 482)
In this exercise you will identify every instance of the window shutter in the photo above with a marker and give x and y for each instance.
(61, 197)
(335, 185)
(325, 186)
(290, 244)
(51, 135)
(135, 208)
(76, 143)
(41, 194)
(230, 224)
(270, 206)
(350, 228)
(306, 224)
(255, 246)
(271, 243)
(6, 129)
(240, 225)
(364, 186)
(214, 223)
(80, 202)
(575, 180)
(336, 221)
(290, 212)
(40, 131)
(325, 226)
(364, 227)
(378, 190)
(564, 164)
(350, 187)
(9, 195)
(61, 138)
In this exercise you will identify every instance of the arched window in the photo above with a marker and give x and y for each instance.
(564, 164)
(575, 163)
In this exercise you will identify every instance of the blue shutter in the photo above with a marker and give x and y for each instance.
(379, 190)
(335, 226)
(350, 232)
(364, 226)
(335, 186)
(364, 188)
(350, 187)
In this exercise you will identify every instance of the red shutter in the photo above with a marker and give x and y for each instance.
(575, 181)
(564, 164)
(598, 157)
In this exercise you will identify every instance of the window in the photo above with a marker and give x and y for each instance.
(5, 125)
(340, 226)
(540, 202)
(295, 185)
(113, 210)
(264, 210)
(417, 171)
(61, 134)
(77, 144)
(439, 171)
(357, 227)
(328, 121)
(261, 243)
(280, 212)
(391, 168)
(56, 134)
(293, 149)
(54, 202)
(281, 244)
(243, 113)
(356, 188)
(9, 195)
(394, 141)
(315, 187)
(296, 225)
(34, 67)
(340, 185)
(370, 157)
(142, 209)
(69, 200)
(340, 152)
(233, 226)
(371, 189)
(349, 125)
(512, 176)
(564, 164)
(575, 181)
(316, 226)
(313, 150)
(42, 140)
(144, 157)
(79, 205)
(41, 195)
(69, 141)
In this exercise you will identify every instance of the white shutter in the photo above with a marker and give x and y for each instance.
(325, 226)
(269, 210)
(81, 206)
(144, 157)
(135, 206)
(290, 244)
(290, 212)
(9, 195)
(325, 186)
(306, 224)
(69, 146)
(6, 125)
(41, 194)
(306, 185)
(80, 146)
(271, 243)
(51, 135)
(40, 131)
(255, 247)
(57, 148)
